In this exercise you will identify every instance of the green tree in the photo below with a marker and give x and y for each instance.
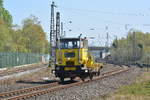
(5, 15)
(132, 48)
(34, 36)
(5, 37)
(17, 41)
(30, 38)
(1, 3)
(5, 23)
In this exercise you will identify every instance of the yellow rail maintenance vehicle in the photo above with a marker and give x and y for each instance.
(73, 59)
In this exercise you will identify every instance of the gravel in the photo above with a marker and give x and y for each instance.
(88, 91)
(19, 74)
(31, 78)
(92, 90)
(18, 69)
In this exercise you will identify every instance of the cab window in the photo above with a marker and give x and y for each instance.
(69, 44)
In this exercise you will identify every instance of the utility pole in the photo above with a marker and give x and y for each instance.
(107, 43)
(116, 41)
(107, 39)
(58, 35)
(64, 34)
(129, 28)
(128, 56)
(62, 31)
(134, 47)
(58, 26)
(52, 35)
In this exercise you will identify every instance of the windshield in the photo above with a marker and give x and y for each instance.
(69, 44)
(70, 54)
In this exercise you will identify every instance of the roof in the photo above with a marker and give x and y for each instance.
(69, 39)
(65, 39)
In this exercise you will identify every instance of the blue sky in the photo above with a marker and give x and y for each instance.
(87, 14)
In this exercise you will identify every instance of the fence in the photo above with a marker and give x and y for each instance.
(10, 59)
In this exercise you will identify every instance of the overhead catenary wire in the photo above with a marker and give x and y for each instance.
(91, 13)
(106, 12)
(84, 12)
(106, 21)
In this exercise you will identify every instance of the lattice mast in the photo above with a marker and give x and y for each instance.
(62, 30)
(58, 35)
(52, 33)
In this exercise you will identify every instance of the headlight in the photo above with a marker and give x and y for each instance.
(53, 71)
(68, 58)
(86, 71)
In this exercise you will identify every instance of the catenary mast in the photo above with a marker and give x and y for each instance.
(52, 35)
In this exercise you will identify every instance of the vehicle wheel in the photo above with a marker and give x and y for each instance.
(98, 73)
(82, 78)
(72, 78)
(62, 79)
(91, 76)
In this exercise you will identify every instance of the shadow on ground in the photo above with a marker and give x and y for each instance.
(67, 82)
(46, 82)
(36, 82)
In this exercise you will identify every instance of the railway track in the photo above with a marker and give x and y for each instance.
(17, 70)
(47, 88)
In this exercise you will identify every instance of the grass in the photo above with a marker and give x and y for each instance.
(140, 87)
(140, 90)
